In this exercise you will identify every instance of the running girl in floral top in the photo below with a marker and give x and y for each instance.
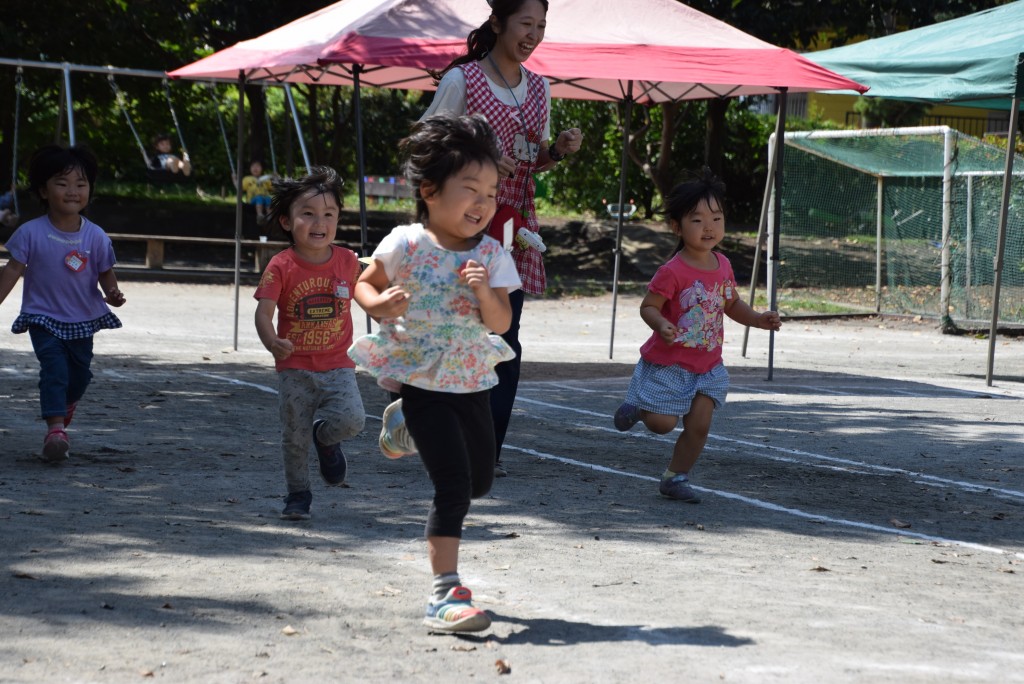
(440, 290)
(680, 371)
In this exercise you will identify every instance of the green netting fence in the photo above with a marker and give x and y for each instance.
(876, 221)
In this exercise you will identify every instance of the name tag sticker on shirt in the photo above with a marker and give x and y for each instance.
(76, 261)
(341, 291)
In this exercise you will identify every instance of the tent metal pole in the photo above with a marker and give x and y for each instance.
(357, 104)
(238, 197)
(298, 126)
(622, 199)
(762, 224)
(70, 104)
(1004, 205)
(774, 227)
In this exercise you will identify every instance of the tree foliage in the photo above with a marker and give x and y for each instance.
(665, 140)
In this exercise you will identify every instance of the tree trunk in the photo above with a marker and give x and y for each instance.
(714, 142)
(257, 127)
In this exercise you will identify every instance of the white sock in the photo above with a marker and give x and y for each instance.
(443, 583)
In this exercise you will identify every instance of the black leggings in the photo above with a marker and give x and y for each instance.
(455, 437)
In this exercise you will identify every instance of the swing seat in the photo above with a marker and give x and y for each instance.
(162, 175)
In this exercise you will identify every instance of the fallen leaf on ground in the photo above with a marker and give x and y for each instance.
(899, 523)
(503, 666)
(820, 568)
(289, 631)
(463, 647)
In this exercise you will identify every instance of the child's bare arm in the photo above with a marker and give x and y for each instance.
(741, 312)
(112, 295)
(281, 348)
(9, 276)
(650, 311)
(495, 309)
(375, 297)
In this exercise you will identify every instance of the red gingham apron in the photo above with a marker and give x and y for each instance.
(507, 124)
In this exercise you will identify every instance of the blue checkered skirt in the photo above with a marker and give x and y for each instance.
(669, 390)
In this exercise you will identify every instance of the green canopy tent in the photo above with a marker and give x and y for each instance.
(977, 61)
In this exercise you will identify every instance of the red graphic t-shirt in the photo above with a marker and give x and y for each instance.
(314, 307)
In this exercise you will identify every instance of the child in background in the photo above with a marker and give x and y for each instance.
(257, 189)
(165, 160)
(63, 256)
(8, 215)
(310, 287)
(439, 289)
(680, 372)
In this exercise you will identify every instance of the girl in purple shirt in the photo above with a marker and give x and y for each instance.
(66, 259)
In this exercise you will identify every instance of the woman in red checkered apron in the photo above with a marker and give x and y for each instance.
(490, 79)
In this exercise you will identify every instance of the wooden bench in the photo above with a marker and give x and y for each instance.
(155, 246)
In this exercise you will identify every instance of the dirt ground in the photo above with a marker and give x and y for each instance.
(863, 517)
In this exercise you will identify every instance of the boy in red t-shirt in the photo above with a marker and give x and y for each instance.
(309, 285)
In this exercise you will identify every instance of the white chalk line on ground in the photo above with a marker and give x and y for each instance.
(756, 447)
(766, 505)
(757, 503)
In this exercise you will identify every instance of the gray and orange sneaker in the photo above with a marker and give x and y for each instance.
(456, 613)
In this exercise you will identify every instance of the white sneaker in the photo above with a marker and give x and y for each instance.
(395, 440)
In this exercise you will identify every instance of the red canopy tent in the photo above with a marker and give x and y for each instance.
(645, 51)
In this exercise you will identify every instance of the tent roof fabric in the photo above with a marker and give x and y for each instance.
(976, 57)
(591, 50)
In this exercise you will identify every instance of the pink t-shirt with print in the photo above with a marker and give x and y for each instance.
(695, 303)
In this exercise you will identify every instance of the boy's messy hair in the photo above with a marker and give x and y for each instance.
(439, 146)
(704, 186)
(284, 191)
(53, 160)
(159, 137)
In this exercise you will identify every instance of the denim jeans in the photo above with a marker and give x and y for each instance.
(64, 371)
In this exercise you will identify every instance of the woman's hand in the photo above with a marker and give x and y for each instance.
(506, 167)
(568, 142)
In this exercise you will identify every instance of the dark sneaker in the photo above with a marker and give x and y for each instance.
(69, 413)
(678, 488)
(500, 470)
(296, 506)
(395, 440)
(626, 416)
(455, 613)
(333, 465)
(56, 445)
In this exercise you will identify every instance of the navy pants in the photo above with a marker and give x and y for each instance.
(64, 372)
(503, 396)
(455, 439)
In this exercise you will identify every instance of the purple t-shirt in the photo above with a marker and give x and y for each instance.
(52, 286)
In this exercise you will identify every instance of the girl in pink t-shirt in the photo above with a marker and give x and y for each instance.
(680, 371)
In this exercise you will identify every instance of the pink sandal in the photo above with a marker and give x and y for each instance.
(56, 445)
